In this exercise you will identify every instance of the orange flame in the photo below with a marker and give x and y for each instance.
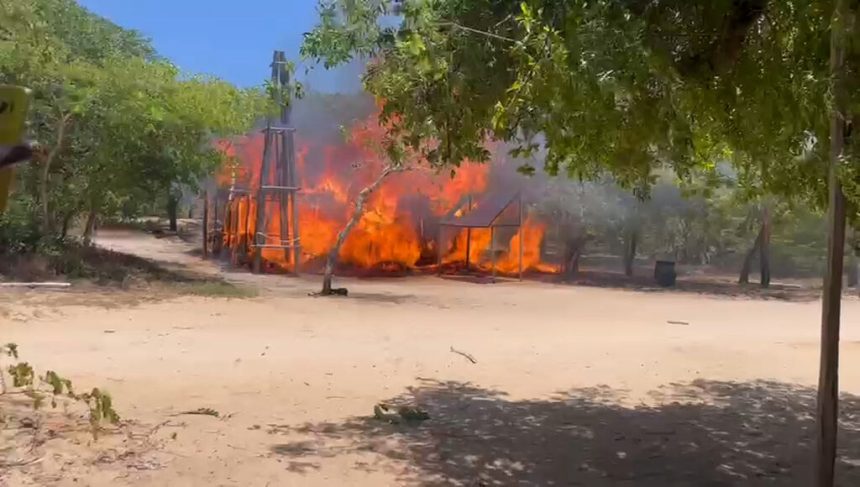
(393, 231)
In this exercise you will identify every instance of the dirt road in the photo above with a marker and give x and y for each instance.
(572, 385)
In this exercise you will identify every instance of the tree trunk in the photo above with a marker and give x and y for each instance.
(90, 227)
(630, 253)
(745, 269)
(764, 249)
(205, 224)
(172, 209)
(827, 411)
(572, 255)
(67, 220)
(333, 254)
(47, 223)
(574, 261)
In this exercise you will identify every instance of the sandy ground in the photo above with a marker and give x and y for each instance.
(572, 385)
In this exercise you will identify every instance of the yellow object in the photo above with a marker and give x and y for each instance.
(14, 102)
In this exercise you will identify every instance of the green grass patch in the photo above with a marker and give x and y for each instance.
(215, 289)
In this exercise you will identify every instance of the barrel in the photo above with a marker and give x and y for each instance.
(664, 273)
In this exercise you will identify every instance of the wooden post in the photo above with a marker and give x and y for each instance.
(205, 224)
(235, 236)
(240, 232)
(228, 223)
(237, 227)
(246, 245)
(260, 220)
(522, 235)
(439, 252)
(842, 25)
(283, 198)
(493, 249)
(216, 244)
(468, 238)
(294, 205)
(228, 220)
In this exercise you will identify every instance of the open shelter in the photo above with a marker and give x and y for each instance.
(493, 210)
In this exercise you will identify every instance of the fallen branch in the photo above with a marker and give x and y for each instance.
(200, 412)
(32, 285)
(469, 357)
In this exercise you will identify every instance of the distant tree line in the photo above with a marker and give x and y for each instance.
(117, 128)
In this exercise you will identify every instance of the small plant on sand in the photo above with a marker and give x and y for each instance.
(56, 388)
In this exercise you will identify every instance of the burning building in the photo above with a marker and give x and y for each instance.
(417, 220)
(400, 227)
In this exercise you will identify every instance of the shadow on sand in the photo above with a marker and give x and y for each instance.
(706, 434)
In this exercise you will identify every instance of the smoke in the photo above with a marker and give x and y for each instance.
(337, 143)
(339, 153)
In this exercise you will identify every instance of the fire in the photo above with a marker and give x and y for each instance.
(399, 226)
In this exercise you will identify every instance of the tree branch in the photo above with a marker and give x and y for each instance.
(476, 31)
(365, 193)
(46, 167)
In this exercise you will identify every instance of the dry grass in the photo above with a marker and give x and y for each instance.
(109, 279)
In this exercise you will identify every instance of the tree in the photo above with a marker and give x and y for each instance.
(626, 87)
(842, 69)
(116, 123)
(358, 211)
(642, 88)
(377, 154)
(764, 216)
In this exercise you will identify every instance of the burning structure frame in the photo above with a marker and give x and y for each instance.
(277, 191)
(256, 217)
(490, 212)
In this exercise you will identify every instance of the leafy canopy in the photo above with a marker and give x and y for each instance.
(117, 125)
(618, 87)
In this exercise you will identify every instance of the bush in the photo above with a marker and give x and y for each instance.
(20, 232)
(55, 388)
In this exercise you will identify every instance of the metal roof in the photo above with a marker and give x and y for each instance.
(485, 213)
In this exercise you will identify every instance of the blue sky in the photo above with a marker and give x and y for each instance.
(231, 39)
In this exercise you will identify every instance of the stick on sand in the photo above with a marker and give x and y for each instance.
(469, 357)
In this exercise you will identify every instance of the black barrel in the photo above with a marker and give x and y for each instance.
(664, 273)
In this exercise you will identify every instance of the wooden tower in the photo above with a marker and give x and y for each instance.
(278, 184)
